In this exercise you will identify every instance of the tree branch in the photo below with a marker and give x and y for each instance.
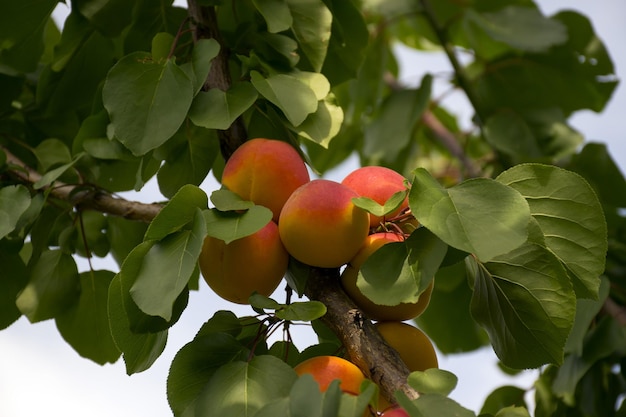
(615, 310)
(79, 196)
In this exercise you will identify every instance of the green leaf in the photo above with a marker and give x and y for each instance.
(381, 210)
(167, 268)
(147, 101)
(479, 216)
(399, 272)
(242, 388)
(226, 200)
(502, 397)
(523, 28)
(85, 325)
(52, 152)
(302, 311)
(323, 125)
(526, 302)
(276, 14)
(229, 226)
(296, 99)
(139, 350)
(124, 235)
(297, 275)
(14, 278)
(14, 201)
(449, 308)
(392, 128)
(433, 405)
(312, 22)
(109, 16)
(508, 132)
(194, 365)
(161, 46)
(52, 175)
(433, 381)
(178, 212)
(217, 109)
(53, 286)
(204, 51)
(570, 216)
(304, 400)
(317, 82)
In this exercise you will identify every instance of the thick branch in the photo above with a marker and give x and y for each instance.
(79, 196)
(364, 344)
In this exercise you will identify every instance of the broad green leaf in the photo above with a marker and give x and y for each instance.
(522, 28)
(312, 22)
(296, 99)
(197, 70)
(52, 152)
(242, 388)
(52, 175)
(317, 82)
(297, 275)
(137, 320)
(304, 400)
(597, 166)
(217, 109)
(302, 311)
(225, 200)
(356, 406)
(392, 128)
(525, 301)
(433, 381)
(323, 125)
(53, 287)
(285, 350)
(261, 302)
(178, 212)
(14, 201)
(428, 405)
(479, 216)
(139, 350)
(123, 236)
(399, 272)
(194, 365)
(167, 268)
(570, 216)
(109, 16)
(502, 397)
(449, 308)
(348, 41)
(223, 321)
(229, 226)
(513, 411)
(276, 14)
(508, 132)
(14, 278)
(147, 101)
(89, 235)
(367, 88)
(85, 325)
(161, 46)
(381, 210)
(189, 160)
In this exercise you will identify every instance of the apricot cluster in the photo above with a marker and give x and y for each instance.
(317, 223)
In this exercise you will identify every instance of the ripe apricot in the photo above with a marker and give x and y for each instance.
(400, 312)
(413, 346)
(379, 184)
(325, 369)
(265, 171)
(395, 412)
(256, 262)
(320, 226)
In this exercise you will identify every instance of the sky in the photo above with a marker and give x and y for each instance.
(42, 375)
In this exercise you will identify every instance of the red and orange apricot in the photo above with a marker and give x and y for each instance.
(326, 369)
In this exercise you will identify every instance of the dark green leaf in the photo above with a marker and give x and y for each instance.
(508, 132)
(51, 176)
(433, 381)
(242, 388)
(297, 275)
(166, 269)
(194, 365)
(276, 14)
(14, 278)
(146, 100)
(53, 287)
(139, 350)
(312, 22)
(217, 109)
(570, 217)
(123, 236)
(479, 216)
(85, 325)
(503, 397)
(178, 212)
(433, 405)
(14, 201)
(52, 152)
(110, 17)
(225, 200)
(302, 311)
(526, 302)
(232, 226)
(295, 98)
(399, 272)
(392, 128)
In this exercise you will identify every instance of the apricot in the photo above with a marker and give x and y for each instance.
(414, 347)
(325, 369)
(266, 172)
(395, 412)
(256, 262)
(400, 312)
(320, 226)
(379, 184)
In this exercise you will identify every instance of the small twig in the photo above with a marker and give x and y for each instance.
(615, 310)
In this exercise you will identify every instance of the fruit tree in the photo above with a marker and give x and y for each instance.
(506, 230)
